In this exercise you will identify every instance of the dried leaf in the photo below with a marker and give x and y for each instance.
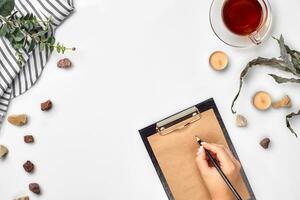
(288, 117)
(284, 54)
(280, 80)
(273, 63)
(289, 56)
(295, 56)
(289, 61)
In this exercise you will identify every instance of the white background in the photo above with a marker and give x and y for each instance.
(137, 62)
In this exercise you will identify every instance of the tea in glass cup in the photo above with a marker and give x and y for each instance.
(241, 23)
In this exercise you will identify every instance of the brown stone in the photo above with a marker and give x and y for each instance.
(64, 63)
(28, 166)
(265, 143)
(35, 188)
(28, 139)
(47, 105)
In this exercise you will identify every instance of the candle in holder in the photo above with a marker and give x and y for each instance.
(262, 100)
(218, 60)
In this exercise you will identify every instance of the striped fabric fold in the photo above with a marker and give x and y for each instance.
(14, 78)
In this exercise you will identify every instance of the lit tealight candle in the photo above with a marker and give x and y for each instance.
(262, 100)
(218, 60)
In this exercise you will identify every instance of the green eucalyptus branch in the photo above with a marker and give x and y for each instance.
(27, 32)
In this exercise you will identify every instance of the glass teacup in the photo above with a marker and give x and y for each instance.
(241, 23)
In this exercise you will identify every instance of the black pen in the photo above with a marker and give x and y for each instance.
(212, 160)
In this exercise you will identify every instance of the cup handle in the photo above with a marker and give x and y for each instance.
(255, 38)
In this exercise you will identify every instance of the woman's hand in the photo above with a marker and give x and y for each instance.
(213, 180)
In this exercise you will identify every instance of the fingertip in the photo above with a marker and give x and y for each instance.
(198, 158)
(200, 154)
(200, 150)
(204, 143)
(203, 154)
(202, 163)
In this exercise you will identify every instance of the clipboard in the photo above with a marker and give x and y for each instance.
(172, 148)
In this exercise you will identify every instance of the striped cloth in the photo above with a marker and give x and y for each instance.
(16, 79)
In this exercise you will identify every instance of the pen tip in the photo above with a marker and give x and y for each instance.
(197, 138)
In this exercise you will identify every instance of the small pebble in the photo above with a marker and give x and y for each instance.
(241, 121)
(28, 166)
(3, 151)
(23, 198)
(47, 105)
(265, 143)
(28, 139)
(35, 188)
(17, 120)
(64, 63)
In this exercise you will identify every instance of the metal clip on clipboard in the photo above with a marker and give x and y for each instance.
(178, 121)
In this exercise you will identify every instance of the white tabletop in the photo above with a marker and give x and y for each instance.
(137, 62)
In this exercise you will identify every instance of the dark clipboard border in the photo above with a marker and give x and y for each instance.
(204, 106)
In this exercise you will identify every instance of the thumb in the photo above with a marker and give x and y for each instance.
(201, 160)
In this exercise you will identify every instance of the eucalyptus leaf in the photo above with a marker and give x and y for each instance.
(27, 32)
(18, 35)
(295, 55)
(280, 80)
(6, 7)
(51, 40)
(289, 56)
(42, 33)
(10, 38)
(31, 46)
(18, 46)
(4, 30)
(63, 50)
(42, 46)
(284, 54)
(288, 124)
